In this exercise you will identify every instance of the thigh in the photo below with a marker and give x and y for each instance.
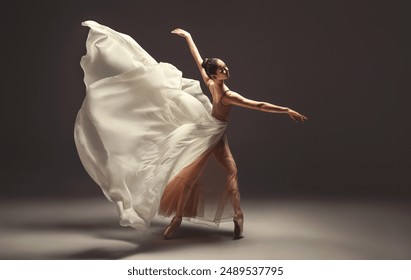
(224, 156)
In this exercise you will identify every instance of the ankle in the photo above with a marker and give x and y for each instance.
(238, 215)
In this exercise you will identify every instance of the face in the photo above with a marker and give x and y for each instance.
(222, 71)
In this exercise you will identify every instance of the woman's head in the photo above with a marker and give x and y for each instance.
(215, 69)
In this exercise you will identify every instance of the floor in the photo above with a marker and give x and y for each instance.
(283, 228)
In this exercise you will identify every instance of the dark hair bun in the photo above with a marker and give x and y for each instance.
(210, 66)
(205, 62)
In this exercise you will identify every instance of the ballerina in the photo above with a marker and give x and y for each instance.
(214, 73)
(144, 133)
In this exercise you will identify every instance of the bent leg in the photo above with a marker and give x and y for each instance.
(184, 184)
(188, 179)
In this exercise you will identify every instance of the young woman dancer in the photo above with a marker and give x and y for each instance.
(144, 133)
(214, 72)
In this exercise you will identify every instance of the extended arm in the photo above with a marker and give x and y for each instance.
(234, 98)
(194, 51)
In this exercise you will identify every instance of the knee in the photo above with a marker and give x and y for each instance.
(232, 188)
(232, 180)
(232, 172)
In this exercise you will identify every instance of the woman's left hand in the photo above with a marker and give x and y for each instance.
(296, 116)
(181, 32)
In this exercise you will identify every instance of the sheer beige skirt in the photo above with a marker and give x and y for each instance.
(202, 191)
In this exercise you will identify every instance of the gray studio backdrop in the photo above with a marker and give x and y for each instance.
(341, 63)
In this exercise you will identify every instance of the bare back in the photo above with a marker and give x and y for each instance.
(220, 110)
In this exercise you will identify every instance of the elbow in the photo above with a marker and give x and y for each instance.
(262, 106)
(270, 108)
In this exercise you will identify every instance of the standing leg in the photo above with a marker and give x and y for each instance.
(223, 155)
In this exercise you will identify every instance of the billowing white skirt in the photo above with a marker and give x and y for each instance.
(140, 127)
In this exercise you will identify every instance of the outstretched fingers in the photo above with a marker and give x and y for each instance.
(180, 32)
(297, 117)
(303, 118)
(294, 118)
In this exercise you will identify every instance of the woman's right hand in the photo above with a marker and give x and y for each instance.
(181, 32)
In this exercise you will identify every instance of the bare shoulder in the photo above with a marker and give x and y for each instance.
(209, 82)
(233, 95)
(231, 98)
(234, 98)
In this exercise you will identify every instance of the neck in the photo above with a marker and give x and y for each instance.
(219, 82)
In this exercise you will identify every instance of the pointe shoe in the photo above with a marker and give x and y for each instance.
(238, 226)
(172, 227)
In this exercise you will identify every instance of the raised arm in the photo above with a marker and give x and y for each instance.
(194, 51)
(234, 98)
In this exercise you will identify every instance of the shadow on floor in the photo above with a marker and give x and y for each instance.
(112, 233)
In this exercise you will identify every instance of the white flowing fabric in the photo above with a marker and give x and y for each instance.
(140, 123)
